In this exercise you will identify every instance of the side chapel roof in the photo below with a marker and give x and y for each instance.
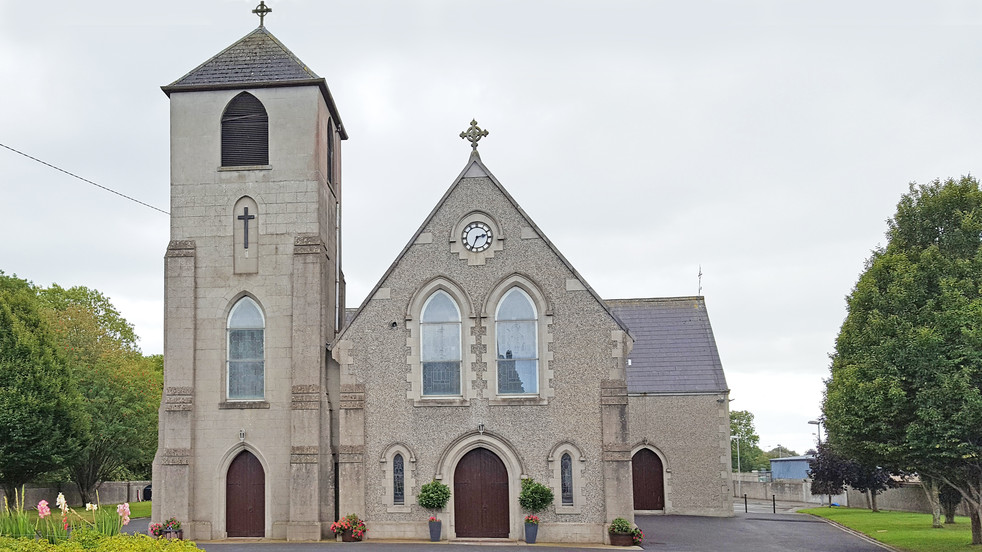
(257, 60)
(674, 348)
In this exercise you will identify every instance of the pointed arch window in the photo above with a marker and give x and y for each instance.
(516, 332)
(566, 479)
(398, 480)
(246, 368)
(245, 132)
(440, 345)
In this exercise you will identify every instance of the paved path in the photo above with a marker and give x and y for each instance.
(756, 531)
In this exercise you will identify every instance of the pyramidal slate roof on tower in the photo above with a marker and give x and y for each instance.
(674, 348)
(257, 60)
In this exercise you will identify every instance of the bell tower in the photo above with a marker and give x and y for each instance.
(253, 293)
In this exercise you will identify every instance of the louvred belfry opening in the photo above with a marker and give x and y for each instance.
(245, 132)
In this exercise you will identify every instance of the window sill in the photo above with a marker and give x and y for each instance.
(518, 401)
(567, 510)
(398, 509)
(446, 401)
(246, 168)
(242, 405)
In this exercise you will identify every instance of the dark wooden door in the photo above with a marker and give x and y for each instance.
(649, 483)
(245, 497)
(480, 485)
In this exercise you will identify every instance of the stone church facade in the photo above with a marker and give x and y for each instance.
(481, 357)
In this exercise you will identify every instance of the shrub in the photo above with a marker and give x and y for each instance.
(90, 541)
(433, 495)
(619, 525)
(534, 497)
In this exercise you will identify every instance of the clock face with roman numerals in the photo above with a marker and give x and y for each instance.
(476, 237)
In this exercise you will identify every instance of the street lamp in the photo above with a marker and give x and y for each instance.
(818, 430)
(739, 479)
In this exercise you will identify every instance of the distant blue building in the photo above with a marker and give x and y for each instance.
(792, 467)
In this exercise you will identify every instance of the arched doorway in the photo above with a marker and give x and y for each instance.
(649, 483)
(245, 497)
(480, 485)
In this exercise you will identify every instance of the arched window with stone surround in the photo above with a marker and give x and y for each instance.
(246, 366)
(245, 132)
(398, 480)
(440, 345)
(566, 479)
(517, 346)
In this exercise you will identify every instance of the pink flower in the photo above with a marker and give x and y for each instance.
(43, 509)
(126, 520)
(123, 510)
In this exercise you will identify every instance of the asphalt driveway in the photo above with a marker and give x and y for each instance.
(745, 532)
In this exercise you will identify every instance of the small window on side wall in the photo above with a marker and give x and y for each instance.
(245, 132)
(566, 479)
(246, 366)
(398, 480)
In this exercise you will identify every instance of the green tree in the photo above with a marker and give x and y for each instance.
(905, 390)
(742, 430)
(121, 387)
(38, 402)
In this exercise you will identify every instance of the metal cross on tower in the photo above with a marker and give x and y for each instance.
(261, 10)
(474, 134)
(245, 218)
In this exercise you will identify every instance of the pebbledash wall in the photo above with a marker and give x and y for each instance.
(691, 435)
(582, 347)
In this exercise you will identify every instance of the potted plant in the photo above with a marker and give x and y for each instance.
(434, 496)
(534, 498)
(637, 536)
(172, 529)
(350, 527)
(620, 532)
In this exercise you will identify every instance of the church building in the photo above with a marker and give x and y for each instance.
(480, 358)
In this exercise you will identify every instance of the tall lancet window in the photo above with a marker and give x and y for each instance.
(245, 236)
(398, 480)
(566, 475)
(246, 356)
(516, 327)
(440, 336)
(245, 132)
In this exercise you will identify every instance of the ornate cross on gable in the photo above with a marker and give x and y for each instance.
(261, 10)
(245, 218)
(474, 134)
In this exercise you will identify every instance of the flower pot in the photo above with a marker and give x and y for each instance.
(531, 532)
(346, 536)
(621, 539)
(436, 528)
(177, 534)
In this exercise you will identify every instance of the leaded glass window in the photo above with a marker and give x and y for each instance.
(516, 329)
(440, 345)
(246, 361)
(398, 480)
(566, 474)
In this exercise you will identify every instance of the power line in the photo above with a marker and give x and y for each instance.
(85, 179)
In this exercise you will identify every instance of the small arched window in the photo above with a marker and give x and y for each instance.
(246, 360)
(245, 132)
(516, 332)
(398, 480)
(440, 345)
(566, 477)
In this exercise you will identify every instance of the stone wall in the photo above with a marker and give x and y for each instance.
(110, 492)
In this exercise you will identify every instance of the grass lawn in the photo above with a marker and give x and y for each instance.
(137, 510)
(903, 530)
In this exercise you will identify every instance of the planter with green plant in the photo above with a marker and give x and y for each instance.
(621, 532)
(534, 498)
(434, 496)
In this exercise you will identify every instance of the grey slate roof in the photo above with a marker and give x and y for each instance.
(258, 57)
(257, 60)
(674, 348)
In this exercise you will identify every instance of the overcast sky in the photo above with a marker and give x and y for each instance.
(766, 142)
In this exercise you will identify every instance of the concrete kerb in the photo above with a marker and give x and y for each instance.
(562, 545)
(855, 533)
